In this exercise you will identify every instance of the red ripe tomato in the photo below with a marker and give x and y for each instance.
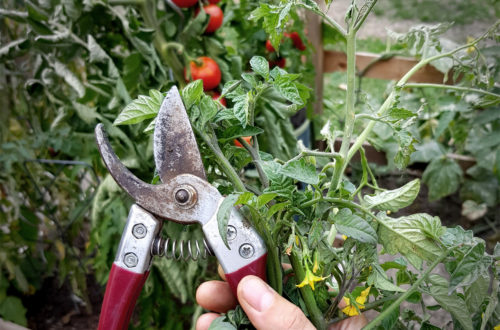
(269, 46)
(297, 41)
(280, 61)
(216, 96)
(246, 138)
(185, 3)
(213, 2)
(208, 71)
(216, 17)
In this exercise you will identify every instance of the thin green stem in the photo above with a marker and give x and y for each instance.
(222, 160)
(451, 87)
(350, 117)
(256, 160)
(306, 153)
(306, 292)
(373, 324)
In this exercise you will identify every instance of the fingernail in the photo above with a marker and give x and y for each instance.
(257, 293)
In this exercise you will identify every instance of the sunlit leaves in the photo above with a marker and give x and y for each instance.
(259, 65)
(192, 93)
(142, 108)
(300, 170)
(354, 226)
(396, 199)
(414, 236)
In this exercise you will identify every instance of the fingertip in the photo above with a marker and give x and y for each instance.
(204, 321)
(215, 296)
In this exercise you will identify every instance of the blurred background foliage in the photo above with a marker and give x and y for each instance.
(64, 67)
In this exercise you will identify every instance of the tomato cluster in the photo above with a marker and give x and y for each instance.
(204, 67)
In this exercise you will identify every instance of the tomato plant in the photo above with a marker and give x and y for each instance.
(206, 69)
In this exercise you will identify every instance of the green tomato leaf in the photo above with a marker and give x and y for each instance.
(443, 176)
(354, 226)
(394, 200)
(192, 93)
(260, 66)
(413, 236)
(378, 278)
(301, 171)
(427, 151)
(454, 304)
(473, 265)
(476, 293)
(223, 215)
(230, 87)
(71, 79)
(396, 114)
(265, 198)
(208, 109)
(12, 309)
(288, 89)
(142, 108)
(220, 323)
(241, 110)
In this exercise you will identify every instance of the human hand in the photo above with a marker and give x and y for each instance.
(265, 308)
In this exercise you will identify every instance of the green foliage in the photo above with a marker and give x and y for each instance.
(95, 62)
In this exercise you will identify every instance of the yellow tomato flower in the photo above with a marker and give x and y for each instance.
(309, 279)
(350, 310)
(497, 327)
(344, 237)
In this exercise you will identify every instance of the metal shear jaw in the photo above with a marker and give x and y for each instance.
(185, 198)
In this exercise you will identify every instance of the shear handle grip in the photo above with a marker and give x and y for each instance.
(122, 291)
(256, 267)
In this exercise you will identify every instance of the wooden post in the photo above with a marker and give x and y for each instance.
(315, 36)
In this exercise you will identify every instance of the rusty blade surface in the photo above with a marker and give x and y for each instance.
(160, 199)
(175, 148)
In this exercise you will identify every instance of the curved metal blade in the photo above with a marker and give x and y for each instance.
(160, 199)
(175, 148)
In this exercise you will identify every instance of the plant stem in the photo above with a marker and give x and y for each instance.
(375, 322)
(457, 88)
(315, 153)
(222, 160)
(254, 153)
(350, 117)
(306, 292)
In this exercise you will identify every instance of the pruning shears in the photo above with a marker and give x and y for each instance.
(184, 196)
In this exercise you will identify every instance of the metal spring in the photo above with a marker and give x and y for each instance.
(173, 249)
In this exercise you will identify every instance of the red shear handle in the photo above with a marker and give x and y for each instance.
(257, 268)
(122, 291)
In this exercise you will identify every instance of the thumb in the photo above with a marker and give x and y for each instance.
(266, 309)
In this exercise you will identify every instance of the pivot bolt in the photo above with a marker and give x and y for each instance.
(130, 260)
(139, 231)
(231, 233)
(246, 250)
(182, 196)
